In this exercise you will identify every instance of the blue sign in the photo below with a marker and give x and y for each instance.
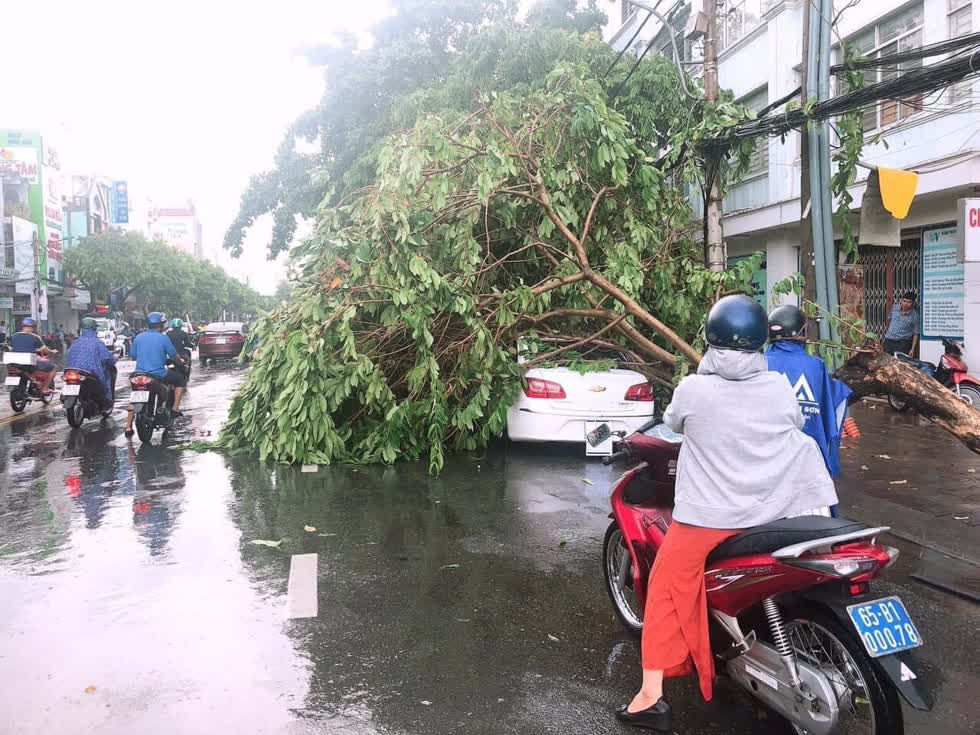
(120, 203)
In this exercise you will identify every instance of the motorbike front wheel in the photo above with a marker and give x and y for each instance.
(18, 400)
(970, 394)
(869, 704)
(617, 564)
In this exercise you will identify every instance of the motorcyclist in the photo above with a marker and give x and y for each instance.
(151, 350)
(744, 462)
(90, 354)
(181, 342)
(27, 341)
(822, 398)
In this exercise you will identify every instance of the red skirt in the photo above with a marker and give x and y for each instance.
(675, 620)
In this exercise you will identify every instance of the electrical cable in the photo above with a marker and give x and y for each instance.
(673, 42)
(629, 44)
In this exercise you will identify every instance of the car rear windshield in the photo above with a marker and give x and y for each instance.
(223, 327)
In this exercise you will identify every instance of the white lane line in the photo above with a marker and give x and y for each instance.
(302, 594)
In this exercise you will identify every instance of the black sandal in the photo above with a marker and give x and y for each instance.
(128, 433)
(656, 718)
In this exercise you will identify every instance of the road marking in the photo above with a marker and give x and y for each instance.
(302, 594)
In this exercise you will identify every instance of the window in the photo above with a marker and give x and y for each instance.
(629, 10)
(737, 18)
(759, 163)
(901, 31)
(959, 22)
(662, 41)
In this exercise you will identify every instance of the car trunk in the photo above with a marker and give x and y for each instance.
(594, 395)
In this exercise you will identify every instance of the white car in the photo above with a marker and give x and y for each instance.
(561, 405)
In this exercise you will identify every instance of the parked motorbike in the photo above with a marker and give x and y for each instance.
(24, 380)
(793, 618)
(83, 396)
(951, 372)
(153, 402)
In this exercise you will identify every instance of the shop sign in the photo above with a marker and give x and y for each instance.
(19, 162)
(942, 284)
(969, 229)
(6, 302)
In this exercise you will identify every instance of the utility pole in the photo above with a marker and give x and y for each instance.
(36, 301)
(716, 255)
(806, 235)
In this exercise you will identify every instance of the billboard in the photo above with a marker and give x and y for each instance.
(120, 203)
(39, 167)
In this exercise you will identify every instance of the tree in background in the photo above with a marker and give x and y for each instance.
(159, 276)
(416, 60)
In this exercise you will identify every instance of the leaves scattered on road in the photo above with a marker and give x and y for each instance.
(554, 638)
(882, 456)
(309, 529)
(449, 566)
(898, 482)
(587, 481)
(865, 467)
(265, 542)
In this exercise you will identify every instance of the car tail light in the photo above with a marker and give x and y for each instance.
(140, 381)
(640, 392)
(237, 338)
(205, 340)
(73, 377)
(538, 388)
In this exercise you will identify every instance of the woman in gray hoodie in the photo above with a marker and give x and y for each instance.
(744, 462)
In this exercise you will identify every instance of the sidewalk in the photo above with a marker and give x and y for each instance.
(908, 474)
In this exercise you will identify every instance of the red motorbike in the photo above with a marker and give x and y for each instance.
(793, 619)
(24, 380)
(951, 372)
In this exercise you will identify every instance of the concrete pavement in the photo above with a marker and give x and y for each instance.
(133, 599)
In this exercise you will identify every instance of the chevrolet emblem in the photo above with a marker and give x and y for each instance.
(597, 388)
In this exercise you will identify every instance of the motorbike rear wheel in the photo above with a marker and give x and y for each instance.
(869, 704)
(75, 413)
(898, 404)
(145, 421)
(617, 564)
(18, 400)
(970, 394)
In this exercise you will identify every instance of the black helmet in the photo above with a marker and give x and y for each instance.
(786, 322)
(737, 323)
(89, 323)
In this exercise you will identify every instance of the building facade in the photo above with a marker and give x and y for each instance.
(937, 135)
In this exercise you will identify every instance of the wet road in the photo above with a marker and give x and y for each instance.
(133, 601)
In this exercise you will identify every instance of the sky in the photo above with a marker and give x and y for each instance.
(183, 99)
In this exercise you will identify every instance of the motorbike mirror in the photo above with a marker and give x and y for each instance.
(598, 435)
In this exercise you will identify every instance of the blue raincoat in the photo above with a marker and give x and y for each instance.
(89, 354)
(822, 399)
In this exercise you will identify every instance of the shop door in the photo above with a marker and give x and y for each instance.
(888, 273)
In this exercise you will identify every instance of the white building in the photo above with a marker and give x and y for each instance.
(760, 57)
(178, 227)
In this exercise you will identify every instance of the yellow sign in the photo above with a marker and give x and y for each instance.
(897, 190)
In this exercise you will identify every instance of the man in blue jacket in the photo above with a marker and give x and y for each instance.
(822, 399)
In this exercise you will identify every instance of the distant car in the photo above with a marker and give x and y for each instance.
(562, 405)
(221, 341)
(105, 330)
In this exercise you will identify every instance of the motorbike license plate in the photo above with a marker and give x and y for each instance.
(884, 626)
(220, 341)
(139, 396)
(71, 390)
(12, 381)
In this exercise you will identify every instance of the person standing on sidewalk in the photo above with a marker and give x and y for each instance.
(902, 330)
(822, 398)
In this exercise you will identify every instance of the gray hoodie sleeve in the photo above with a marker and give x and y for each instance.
(679, 408)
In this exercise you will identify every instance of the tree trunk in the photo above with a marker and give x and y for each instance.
(869, 373)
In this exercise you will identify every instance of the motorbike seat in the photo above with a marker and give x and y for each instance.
(784, 532)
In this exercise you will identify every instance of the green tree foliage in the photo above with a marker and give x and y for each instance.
(416, 56)
(548, 213)
(158, 276)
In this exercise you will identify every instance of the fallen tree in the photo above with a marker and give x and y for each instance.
(870, 372)
(542, 215)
